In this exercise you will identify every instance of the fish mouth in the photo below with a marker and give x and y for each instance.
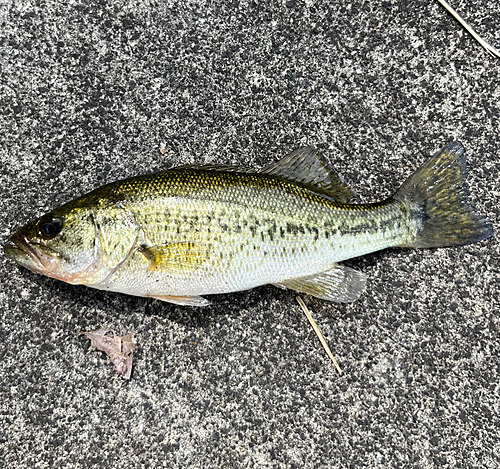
(23, 252)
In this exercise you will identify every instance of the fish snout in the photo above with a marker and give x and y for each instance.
(10, 248)
(16, 245)
(20, 249)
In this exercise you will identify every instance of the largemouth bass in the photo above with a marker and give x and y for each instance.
(200, 230)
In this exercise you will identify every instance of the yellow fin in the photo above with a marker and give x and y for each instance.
(182, 300)
(172, 257)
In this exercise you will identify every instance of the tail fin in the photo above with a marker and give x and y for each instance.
(435, 196)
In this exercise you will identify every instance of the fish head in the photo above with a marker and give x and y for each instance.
(61, 244)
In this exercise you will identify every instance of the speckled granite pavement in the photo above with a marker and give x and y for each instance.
(91, 91)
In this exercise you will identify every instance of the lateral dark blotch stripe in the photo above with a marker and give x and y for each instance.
(293, 229)
(314, 230)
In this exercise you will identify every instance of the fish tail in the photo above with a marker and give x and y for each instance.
(435, 197)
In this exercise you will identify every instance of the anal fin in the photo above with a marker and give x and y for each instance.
(182, 300)
(340, 284)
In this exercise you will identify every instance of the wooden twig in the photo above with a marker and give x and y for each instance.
(318, 333)
(490, 49)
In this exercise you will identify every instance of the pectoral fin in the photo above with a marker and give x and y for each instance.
(182, 300)
(340, 284)
(174, 257)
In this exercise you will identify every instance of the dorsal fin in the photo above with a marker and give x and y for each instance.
(212, 167)
(310, 169)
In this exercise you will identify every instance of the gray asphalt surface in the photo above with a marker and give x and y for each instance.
(91, 91)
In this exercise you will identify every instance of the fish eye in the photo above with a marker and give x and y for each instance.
(49, 227)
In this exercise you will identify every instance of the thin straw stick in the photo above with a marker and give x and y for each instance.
(476, 36)
(318, 333)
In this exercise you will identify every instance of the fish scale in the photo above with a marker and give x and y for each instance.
(251, 237)
(199, 230)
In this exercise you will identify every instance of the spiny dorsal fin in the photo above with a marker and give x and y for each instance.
(340, 284)
(310, 169)
(212, 167)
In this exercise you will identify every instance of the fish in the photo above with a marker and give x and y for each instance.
(197, 230)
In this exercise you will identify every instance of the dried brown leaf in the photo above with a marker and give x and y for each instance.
(119, 349)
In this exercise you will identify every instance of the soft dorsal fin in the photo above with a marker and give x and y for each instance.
(310, 169)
